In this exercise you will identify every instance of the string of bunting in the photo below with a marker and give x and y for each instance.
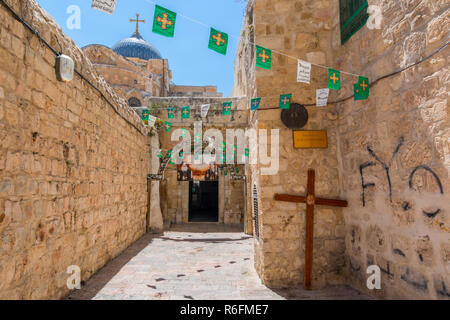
(164, 23)
(172, 153)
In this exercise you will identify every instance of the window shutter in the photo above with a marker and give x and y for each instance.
(353, 16)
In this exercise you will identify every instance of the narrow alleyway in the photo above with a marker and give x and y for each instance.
(195, 261)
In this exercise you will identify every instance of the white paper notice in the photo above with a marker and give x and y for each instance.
(322, 97)
(304, 72)
(107, 6)
(204, 110)
(151, 121)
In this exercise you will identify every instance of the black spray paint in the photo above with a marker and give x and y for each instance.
(387, 166)
(363, 184)
(438, 181)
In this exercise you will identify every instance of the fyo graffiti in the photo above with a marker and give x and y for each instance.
(386, 165)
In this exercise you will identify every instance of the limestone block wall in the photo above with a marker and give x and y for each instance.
(398, 140)
(303, 31)
(121, 73)
(73, 188)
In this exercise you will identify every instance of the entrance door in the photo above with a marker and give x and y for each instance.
(203, 201)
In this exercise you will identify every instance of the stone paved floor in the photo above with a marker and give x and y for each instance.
(195, 261)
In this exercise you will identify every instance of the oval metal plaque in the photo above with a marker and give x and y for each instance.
(296, 117)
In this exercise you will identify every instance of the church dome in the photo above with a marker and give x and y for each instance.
(136, 47)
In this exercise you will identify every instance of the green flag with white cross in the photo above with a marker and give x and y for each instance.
(218, 41)
(167, 126)
(164, 22)
(263, 57)
(334, 79)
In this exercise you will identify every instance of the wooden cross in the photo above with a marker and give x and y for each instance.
(334, 78)
(218, 39)
(137, 22)
(164, 21)
(263, 56)
(255, 103)
(310, 201)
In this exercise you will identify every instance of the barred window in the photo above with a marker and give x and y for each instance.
(353, 16)
(255, 211)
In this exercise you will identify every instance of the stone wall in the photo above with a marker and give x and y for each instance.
(301, 33)
(73, 188)
(131, 77)
(400, 136)
(405, 124)
(194, 91)
(175, 194)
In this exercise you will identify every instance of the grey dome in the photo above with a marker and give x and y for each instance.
(136, 47)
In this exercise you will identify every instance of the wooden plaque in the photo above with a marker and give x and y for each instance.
(310, 139)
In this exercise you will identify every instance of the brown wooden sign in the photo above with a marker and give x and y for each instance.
(310, 139)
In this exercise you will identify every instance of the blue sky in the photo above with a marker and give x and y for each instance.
(190, 60)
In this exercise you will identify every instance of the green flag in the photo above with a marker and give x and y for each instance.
(285, 101)
(263, 57)
(218, 41)
(334, 79)
(170, 112)
(145, 114)
(167, 125)
(226, 108)
(362, 89)
(185, 112)
(247, 152)
(255, 104)
(164, 21)
(160, 154)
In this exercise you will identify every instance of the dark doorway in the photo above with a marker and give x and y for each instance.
(203, 201)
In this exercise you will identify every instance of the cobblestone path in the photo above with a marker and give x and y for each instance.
(192, 262)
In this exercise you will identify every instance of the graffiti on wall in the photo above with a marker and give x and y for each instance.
(386, 165)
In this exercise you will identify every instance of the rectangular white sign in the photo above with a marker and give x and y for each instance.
(151, 121)
(322, 97)
(304, 72)
(204, 110)
(107, 6)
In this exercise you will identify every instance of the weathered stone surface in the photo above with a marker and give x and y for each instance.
(391, 150)
(73, 188)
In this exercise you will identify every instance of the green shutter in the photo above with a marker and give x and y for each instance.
(353, 15)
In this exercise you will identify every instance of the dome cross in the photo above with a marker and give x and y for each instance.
(137, 22)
